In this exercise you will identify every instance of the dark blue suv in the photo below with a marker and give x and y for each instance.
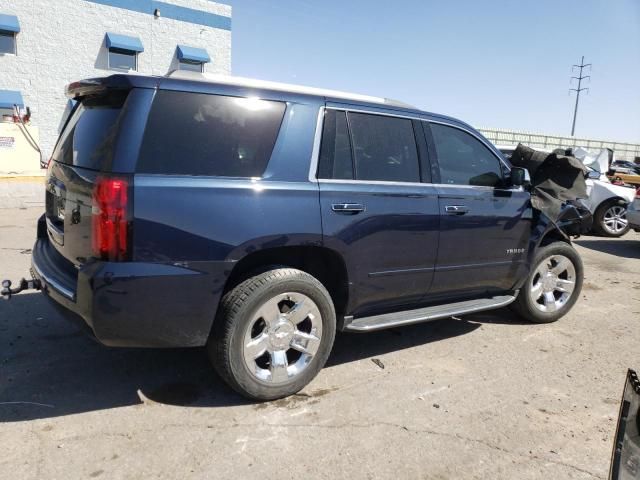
(258, 219)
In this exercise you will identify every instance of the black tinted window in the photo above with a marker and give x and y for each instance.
(384, 148)
(89, 136)
(211, 135)
(463, 159)
(335, 151)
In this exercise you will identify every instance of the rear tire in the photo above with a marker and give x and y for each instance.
(553, 286)
(273, 334)
(610, 219)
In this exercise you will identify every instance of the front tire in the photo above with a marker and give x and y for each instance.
(610, 219)
(273, 334)
(553, 286)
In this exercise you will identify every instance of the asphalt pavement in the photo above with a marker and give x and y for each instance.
(483, 396)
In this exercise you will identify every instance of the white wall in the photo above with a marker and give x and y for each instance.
(63, 40)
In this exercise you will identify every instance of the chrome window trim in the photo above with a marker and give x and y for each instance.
(411, 184)
(373, 182)
(373, 112)
(315, 153)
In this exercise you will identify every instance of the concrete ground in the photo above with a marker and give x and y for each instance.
(486, 396)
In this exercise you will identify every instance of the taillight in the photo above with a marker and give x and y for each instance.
(110, 219)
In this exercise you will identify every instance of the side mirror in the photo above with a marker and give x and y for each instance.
(520, 177)
(593, 175)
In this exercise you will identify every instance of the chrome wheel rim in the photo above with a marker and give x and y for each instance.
(282, 338)
(552, 283)
(615, 219)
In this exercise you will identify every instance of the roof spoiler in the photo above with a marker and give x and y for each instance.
(98, 86)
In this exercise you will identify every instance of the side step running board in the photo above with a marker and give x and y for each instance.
(397, 319)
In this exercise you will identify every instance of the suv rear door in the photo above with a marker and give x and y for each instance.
(485, 224)
(375, 209)
(84, 151)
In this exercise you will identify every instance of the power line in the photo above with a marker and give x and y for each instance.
(580, 77)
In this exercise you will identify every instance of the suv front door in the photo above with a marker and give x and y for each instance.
(485, 224)
(376, 212)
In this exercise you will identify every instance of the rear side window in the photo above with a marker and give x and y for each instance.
(335, 151)
(463, 159)
(209, 135)
(89, 137)
(384, 148)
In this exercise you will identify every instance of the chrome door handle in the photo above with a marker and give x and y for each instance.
(456, 209)
(347, 208)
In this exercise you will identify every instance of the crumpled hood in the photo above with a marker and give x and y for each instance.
(599, 160)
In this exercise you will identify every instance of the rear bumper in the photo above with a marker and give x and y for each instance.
(134, 304)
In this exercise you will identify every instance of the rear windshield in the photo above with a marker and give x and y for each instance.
(209, 135)
(89, 136)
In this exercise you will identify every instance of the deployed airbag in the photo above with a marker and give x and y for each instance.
(555, 177)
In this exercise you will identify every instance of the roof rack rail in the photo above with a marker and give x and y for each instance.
(282, 87)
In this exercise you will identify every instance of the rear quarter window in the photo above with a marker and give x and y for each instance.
(209, 135)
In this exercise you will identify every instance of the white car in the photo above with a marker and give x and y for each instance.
(607, 202)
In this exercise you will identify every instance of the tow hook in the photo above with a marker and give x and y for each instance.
(7, 291)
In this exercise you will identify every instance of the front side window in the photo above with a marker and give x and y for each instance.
(120, 59)
(463, 159)
(7, 42)
(209, 135)
(384, 148)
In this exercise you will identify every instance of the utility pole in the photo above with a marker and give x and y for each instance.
(579, 89)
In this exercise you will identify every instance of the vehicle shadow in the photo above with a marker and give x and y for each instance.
(613, 246)
(49, 368)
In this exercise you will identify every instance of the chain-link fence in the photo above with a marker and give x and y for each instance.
(623, 151)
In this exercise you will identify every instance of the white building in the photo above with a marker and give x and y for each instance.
(46, 44)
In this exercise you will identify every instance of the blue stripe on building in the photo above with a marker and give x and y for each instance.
(168, 10)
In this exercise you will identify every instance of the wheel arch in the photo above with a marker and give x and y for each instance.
(616, 198)
(323, 263)
(600, 211)
(551, 236)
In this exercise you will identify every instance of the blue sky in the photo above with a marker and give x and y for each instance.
(492, 63)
